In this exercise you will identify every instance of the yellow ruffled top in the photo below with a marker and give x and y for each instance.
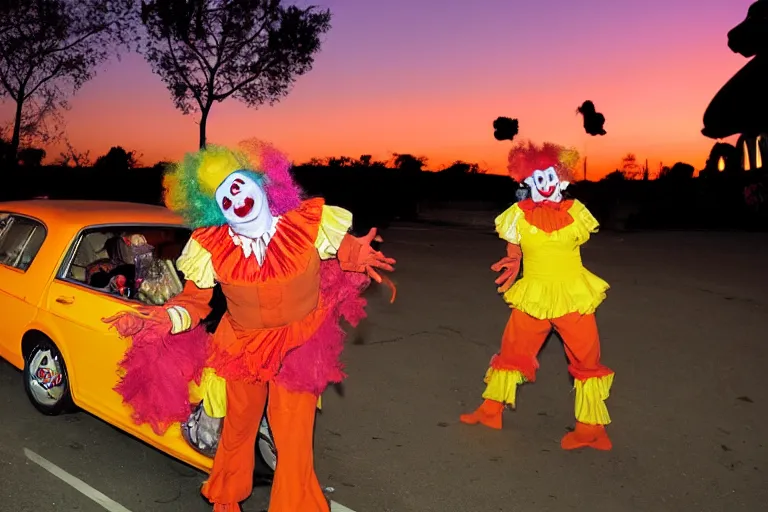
(555, 282)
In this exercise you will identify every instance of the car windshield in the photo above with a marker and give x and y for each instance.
(131, 262)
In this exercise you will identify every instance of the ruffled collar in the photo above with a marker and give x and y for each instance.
(288, 250)
(255, 246)
(529, 204)
(546, 215)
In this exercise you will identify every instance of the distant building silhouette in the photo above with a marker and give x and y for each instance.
(741, 106)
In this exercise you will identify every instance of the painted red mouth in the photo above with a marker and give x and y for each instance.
(547, 192)
(245, 209)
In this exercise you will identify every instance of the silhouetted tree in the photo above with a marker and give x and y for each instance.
(614, 176)
(630, 167)
(31, 157)
(408, 162)
(50, 48)
(207, 50)
(72, 157)
(460, 167)
(679, 172)
(368, 161)
(316, 162)
(117, 159)
(3, 149)
(341, 161)
(161, 165)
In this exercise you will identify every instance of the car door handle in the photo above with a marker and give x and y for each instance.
(65, 300)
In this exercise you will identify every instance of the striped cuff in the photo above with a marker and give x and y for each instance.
(180, 319)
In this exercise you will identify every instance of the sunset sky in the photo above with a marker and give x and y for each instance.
(429, 76)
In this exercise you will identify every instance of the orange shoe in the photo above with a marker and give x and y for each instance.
(488, 414)
(592, 436)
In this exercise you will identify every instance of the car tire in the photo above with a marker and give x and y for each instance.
(266, 454)
(46, 380)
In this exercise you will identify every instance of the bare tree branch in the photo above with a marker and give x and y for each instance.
(50, 48)
(207, 50)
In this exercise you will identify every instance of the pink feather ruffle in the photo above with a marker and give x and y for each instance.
(157, 371)
(158, 367)
(314, 365)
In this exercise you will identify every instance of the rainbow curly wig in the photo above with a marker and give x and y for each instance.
(190, 185)
(525, 157)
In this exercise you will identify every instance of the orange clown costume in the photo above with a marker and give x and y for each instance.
(544, 232)
(289, 270)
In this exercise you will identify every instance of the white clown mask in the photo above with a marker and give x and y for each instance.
(546, 186)
(244, 204)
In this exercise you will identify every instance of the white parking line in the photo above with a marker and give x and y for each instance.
(75, 482)
(98, 497)
(338, 507)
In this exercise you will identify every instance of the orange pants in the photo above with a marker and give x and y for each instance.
(524, 336)
(291, 417)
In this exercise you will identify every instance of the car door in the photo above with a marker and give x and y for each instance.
(94, 349)
(21, 280)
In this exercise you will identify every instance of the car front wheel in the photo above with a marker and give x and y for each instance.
(266, 445)
(46, 381)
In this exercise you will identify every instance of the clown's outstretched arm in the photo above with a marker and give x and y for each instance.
(355, 254)
(509, 265)
(189, 308)
(183, 312)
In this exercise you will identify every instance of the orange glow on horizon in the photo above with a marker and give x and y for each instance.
(435, 93)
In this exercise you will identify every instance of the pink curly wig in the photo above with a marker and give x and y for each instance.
(282, 191)
(525, 157)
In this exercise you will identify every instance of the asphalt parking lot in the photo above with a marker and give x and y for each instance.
(683, 327)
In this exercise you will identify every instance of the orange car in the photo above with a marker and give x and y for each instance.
(64, 266)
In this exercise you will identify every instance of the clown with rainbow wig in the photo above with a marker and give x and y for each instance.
(544, 231)
(290, 271)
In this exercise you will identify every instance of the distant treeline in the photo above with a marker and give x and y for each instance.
(378, 196)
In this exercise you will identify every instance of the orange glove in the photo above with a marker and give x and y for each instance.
(129, 323)
(357, 255)
(510, 264)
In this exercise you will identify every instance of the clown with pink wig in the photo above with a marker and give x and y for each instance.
(544, 232)
(290, 271)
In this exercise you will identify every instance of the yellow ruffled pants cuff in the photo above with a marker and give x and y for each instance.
(590, 399)
(213, 392)
(502, 385)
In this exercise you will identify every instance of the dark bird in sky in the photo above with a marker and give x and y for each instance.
(505, 128)
(593, 120)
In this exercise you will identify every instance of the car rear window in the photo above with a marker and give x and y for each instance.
(20, 240)
(133, 262)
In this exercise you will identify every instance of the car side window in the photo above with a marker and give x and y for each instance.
(135, 263)
(20, 240)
